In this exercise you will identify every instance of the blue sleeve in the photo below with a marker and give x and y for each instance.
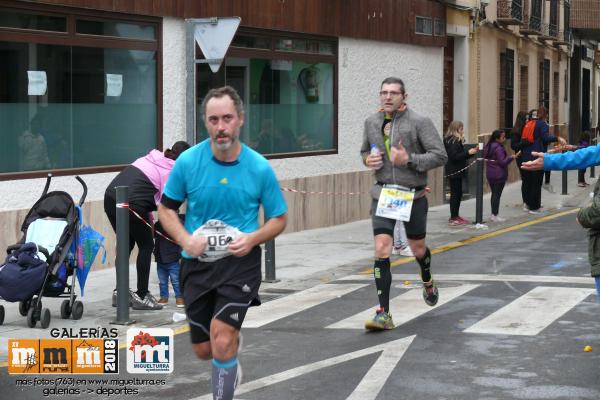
(579, 159)
(175, 188)
(545, 134)
(272, 199)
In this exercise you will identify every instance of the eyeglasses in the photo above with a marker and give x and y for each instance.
(385, 93)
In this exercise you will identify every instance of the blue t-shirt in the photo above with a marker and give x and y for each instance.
(230, 192)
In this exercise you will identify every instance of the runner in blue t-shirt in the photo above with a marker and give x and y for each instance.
(224, 183)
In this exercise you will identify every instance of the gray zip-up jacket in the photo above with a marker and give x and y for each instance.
(421, 140)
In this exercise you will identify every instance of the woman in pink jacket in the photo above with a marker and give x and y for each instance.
(146, 179)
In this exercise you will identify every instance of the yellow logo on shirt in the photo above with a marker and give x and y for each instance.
(224, 181)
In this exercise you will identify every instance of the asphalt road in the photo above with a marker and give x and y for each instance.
(516, 311)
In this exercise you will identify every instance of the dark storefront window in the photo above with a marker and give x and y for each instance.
(73, 106)
(24, 20)
(288, 93)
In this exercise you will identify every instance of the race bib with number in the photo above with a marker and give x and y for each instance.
(395, 202)
(218, 235)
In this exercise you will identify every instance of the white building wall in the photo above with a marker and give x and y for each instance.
(363, 64)
(174, 81)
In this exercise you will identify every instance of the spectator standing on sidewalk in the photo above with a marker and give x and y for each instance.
(225, 183)
(401, 247)
(146, 178)
(167, 254)
(496, 169)
(517, 143)
(409, 147)
(456, 168)
(584, 141)
(532, 180)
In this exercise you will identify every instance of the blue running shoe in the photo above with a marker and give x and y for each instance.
(380, 322)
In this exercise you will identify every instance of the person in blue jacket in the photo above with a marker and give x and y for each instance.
(586, 157)
(588, 217)
(532, 179)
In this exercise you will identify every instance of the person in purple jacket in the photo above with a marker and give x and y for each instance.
(146, 178)
(497, 169)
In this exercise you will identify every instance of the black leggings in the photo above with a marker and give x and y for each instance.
(140, 234)
(455, 196)
(547, 177)
(496, 193)
(532, 181)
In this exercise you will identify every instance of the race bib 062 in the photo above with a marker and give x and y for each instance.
(218, 235)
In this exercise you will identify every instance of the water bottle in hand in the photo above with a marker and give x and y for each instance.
(375, 152)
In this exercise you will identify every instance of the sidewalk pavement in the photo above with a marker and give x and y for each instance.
(303, 259)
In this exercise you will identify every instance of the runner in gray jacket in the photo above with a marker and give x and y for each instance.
(400, 146)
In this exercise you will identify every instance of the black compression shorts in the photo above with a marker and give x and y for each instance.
(223, 289)
(416, 227)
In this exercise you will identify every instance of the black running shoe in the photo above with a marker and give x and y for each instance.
(430, 293)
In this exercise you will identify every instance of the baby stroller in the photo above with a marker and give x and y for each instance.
(47, 251)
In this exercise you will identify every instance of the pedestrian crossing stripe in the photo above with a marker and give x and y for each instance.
(523, 316)
(481, 277)
(543, 304)
(411, 303)
(294, 303)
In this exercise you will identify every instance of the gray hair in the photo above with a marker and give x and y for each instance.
(221, 92)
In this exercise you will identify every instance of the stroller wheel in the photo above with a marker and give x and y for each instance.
(1, 315)
(65, 309)
(24, 307)
(37, 302)
(45, 318)
(77, 310)
(31, 320)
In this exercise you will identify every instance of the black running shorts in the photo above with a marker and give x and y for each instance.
(223, 289)
(416, 227)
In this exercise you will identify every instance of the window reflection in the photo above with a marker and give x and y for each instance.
(289, 104)
(76, 123)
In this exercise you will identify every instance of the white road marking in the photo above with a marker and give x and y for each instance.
(531, 313)
(295, 303)
(368, 388)
(405, 307)
(482, 277)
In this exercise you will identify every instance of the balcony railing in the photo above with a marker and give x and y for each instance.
(564, 37)
(510, 12)
(532, 26)
(549, 32)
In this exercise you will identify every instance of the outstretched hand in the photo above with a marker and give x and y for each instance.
(399, 155)
(535, 165)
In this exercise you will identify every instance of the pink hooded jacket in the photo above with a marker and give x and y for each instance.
(157, 168)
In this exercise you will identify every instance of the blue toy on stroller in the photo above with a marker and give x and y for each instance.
(40, 264)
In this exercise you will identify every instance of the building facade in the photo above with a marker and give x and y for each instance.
(585, 64)
(86, 87)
